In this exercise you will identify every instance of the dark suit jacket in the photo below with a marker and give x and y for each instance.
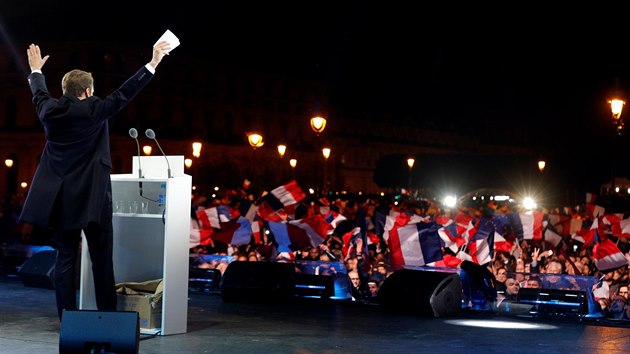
(72, 185)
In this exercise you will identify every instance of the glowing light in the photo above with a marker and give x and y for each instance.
(23, 184)
(410, 162)
(529, 203)
(318, 124)
(450, 201)
(326, 152)
(541, 165)
(501, 324)
(281, 150)
(147, 149)
(293, 162)
(616, 106)
(8, 163)
(255, 140)
(196, 149)
(188, 162)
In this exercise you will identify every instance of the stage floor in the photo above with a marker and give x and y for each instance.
(29, 325)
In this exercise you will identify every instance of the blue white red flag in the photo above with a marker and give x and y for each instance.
(413, 244)
(284, 196)
(289, 237)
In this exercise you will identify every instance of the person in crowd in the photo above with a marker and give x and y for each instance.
(619, 304)
(71, 189)
(371, 295)
(357, 288)
(512, 286)
(533, 282)
(501, 276)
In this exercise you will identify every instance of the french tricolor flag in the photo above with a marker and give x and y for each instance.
(289, 237)
(413, 244)
(532, 225)
(234, 232)
(214, 216)
(315, 226)
(284, 196)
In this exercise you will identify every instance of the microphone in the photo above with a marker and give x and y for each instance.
(151, 135)
(134, 134)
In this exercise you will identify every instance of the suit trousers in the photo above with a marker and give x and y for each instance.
(100, 244)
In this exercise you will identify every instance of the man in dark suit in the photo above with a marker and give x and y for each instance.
(71, 189)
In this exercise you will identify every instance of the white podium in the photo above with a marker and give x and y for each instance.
(150, 245)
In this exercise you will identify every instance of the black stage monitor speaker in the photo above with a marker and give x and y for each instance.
(258, 281)
(90, 331)
(426, 293)
(38, 270)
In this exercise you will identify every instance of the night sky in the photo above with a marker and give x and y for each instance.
(547, 74)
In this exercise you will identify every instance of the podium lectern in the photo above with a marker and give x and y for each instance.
(153, 244)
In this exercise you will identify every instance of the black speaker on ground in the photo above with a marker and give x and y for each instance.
(38, 270)
(90, 331)
(426, 293)
(258, 281)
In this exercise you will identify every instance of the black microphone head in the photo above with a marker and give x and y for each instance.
(150, 134)
(133, 133)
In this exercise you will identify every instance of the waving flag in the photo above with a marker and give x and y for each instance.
(532, 225)
(349, 240)
(315, 226)
(607, 255)
(501, 244)
(450, 238)
(414, 244)
(624, 225)
(284, 196)
(234, 232)
(481, 245)
(551, 236)
(289, 237)
(214, 216)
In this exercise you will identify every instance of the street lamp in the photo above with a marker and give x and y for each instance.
(147, 149)
(410, 162)
(326, 154)
(8, 163)
(281, 150)
(196, 149)
(616, 107)
(255, 140)
(293, 163)
(318, 124)
(188, 162)
(541, 165)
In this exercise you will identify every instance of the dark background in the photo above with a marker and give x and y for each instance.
(538, 71)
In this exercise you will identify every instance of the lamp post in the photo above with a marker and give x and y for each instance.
(255, 140)
(293, 164)
(616, 107)
(326, 153)
(410, 162)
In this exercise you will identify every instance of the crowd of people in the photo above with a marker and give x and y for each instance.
(528, 263)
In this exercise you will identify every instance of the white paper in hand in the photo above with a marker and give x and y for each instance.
(169, 37)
